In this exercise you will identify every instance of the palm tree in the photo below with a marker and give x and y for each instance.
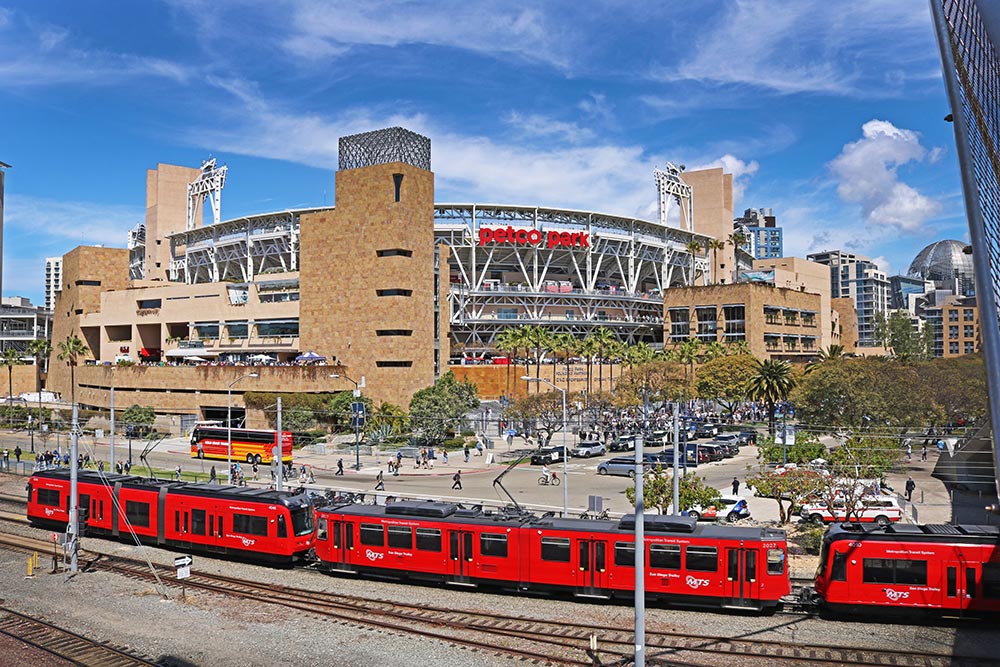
(640, 353)
(737, 347)
(714, 350)
(10, 358)
(771, 383)
(40, 349)
(69, 351)
(567, 345)
(507, 342)
(588, 348)
(617, 350)
(737, 239)
(537, 339)
(693, 247)
(687, 353)
(603, 339)
(832, 353)
(715, 246)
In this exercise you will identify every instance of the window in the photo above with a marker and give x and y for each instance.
(88, 283)
(237, 329)
(397, 180)
(428, 539)
(142, 304)
(248, 524)
(625, 554)
(953, 316)
(206, 329)
(968, 315)
(277, 328)
(894, 571)
(394, 332)
(393, 292)
(321, 529)
(953, 348)
(664, 556)
(702, 559)
(137, 514)
(970, 347)
(555, 549)
(393, 364)
(493, 544)
(991, 580)
(775, 561)
(48, 497)
(372, 535)
(953, 332)
(394, 252)
(400, 537)
(198, 522)
(302, 521)
(968, 331)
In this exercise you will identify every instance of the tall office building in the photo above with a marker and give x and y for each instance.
(53, 281)
(968, 33)
(765, 240)
(858, 278)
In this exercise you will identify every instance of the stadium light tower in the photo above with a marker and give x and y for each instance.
(670, 185)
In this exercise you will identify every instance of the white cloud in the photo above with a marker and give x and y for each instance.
(866, 171)
(51, 224)
(884, 265)
(740, 169)
(537, 125)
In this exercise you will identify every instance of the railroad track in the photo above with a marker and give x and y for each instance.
(526, 638)
(64, 644)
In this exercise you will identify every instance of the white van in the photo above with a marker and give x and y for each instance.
(882, 510)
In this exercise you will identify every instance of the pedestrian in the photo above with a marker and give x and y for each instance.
(17, 453)
(479, 447)
(340, 467)
(457, 480)
(909, 452)
(128, 467)
(212, 476)
(466, 452)
(256, 470)
(379, 482)
(923, 452)
(736, 486)
(177, 473)
(118, 467)
(399, 458)
(910, 486)
(444, 457)
(100, 466)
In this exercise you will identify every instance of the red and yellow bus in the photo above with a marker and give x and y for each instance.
(249, 444)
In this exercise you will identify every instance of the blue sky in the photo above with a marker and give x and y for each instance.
(830, 113)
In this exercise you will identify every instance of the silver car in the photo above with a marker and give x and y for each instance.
(588, 449)
(621, 465)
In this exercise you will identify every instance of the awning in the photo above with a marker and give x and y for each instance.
(190, 352)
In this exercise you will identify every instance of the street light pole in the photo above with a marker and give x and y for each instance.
(229, 427)
(565, 453)
(354, 417)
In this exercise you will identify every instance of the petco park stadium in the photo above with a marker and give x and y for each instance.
(387, 284)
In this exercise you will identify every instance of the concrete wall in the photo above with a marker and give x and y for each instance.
(166, 213)
(848, 322)
(712, 193)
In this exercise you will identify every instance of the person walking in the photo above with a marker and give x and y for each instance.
(923, 452)
(457, 480)
(379, 482)
(466, 452)
(212, 477)
(736, 486)
(910, 487)
(340, 468)
(177, 473)
(444, 457)
(17, 453)
(909, 452)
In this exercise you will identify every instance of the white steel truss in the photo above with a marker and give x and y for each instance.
(137, 252)
(208, 186)
(671, 187)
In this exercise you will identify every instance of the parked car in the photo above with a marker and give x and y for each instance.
(715, 452)
(547, 455)
(621, 465)
(624, 443)
(706, 430)
(664, 459)
(586, 449)
(881, 510)
(748, 437)
(731, 508)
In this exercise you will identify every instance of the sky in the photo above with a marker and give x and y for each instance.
(829, 113)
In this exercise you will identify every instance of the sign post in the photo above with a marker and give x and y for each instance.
(358, 417)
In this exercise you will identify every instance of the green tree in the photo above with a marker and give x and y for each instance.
(141, 416)
(439, 409)
(725, 379)
(897, 333)
(537, 340)
(715, 246)
(602, 339)
(70, 351)
(640, 353)
(772, 382)
(588, 348)
(957, 384)
(565, 346)
(855, 467)
(806, 448)
(41, 350)
(10, 358)
(661, 380)
(792, 485)
(508, 341)
(693, 247)
(658, 491)
(831, 353)
(545, 410)
(688, 352)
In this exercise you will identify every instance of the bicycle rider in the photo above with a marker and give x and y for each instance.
(546, 473)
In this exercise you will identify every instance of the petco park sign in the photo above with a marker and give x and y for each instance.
(533, 237)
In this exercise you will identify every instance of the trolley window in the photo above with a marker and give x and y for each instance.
(775, 561)
(625, 554)
(302, 521)
(493, 544)
(198, 522)
(702, 559)
(400, 537)
(321, 529)
(894, 571)
(428, 539)
(247, 524)
(555, 549)
(48, 497)
(372, 535)
(838, 571)
(665, 556)
(991, 580)
(137, 514)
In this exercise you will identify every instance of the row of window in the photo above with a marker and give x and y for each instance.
(914, 573)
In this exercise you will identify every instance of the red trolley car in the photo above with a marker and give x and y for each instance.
(944, 569)
(687, 564)
(252, 524)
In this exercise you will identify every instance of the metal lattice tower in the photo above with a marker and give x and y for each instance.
(670, 185)
(968, 33)
(393, 144)
(208, 186)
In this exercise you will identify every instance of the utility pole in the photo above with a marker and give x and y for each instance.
(278, 451)
(73, 529)
(640, 559)
(677, 446)
(111, 467)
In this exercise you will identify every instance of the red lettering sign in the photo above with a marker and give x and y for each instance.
(522, 236)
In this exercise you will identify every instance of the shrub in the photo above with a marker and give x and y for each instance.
(810, 539)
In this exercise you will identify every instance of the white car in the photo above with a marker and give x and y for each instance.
(881, 510)
(588, 449)
(732, 508)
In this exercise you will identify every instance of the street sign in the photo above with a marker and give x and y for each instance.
(358, 413)
(183, 572)
(183, 561)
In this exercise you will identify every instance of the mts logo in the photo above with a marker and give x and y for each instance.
(533, 237)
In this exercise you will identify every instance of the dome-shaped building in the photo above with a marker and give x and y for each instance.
(947, 264)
